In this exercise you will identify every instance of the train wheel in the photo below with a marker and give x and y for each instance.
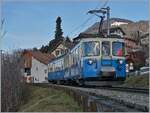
(74, 83)
(54, 82)
(80, 82)
(58, 82)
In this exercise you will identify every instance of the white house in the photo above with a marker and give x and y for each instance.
(38, 71)
(36, 66)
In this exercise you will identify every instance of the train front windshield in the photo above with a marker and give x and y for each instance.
(118, 49)
(105, 48)
(91, 48)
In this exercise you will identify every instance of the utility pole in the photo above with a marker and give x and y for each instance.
(108, 22)
(2, 34)
(102, 11)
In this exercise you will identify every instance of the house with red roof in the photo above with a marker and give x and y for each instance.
(36, 66)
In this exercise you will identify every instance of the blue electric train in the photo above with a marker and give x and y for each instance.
(92, 59)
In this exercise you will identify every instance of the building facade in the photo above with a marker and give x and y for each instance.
(130, 45)
(59, 50)
(60, 47)
(39, 71)
(35, 66)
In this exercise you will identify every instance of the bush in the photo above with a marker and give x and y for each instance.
(11, 85)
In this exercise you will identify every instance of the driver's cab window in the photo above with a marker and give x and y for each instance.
(105, 48)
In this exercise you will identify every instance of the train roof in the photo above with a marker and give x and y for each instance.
(85, 35)
(101, 39)
(52, 60)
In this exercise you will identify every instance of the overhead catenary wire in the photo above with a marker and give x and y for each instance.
(105, 3)
(81, 26)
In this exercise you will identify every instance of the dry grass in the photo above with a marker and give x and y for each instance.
(48, 100)
(140, 81)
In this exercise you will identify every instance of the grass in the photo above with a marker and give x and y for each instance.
(140, 81)
(48, 100)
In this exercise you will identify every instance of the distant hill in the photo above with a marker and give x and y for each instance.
(131, 28)
(94, 28)
(128, 26)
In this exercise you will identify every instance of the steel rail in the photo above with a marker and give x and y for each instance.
(120, 88)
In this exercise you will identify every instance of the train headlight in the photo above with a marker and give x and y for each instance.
(131, 64)
(90, 62)
(120, 61)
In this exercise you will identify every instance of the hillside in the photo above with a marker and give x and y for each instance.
(128, 26)
(94, 28)
(141, 26)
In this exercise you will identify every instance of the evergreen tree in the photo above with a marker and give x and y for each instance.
(58, 32)
(42, 49)
(68, 39)
(35, 49)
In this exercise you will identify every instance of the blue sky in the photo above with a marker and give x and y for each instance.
(31, 23)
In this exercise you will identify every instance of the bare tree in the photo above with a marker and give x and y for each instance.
(137, 36)
(11, 85)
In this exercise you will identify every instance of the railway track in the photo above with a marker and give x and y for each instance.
(115, 88)
(111, 98)
(119, 88)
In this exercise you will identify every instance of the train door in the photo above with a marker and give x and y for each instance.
(106, 53)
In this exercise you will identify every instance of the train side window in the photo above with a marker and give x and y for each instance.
(80, 51)
(49, 66)
(76, 55)
(57, 66)
(54, 67)
(65, 62)
(73, 57)
(61, 65)
(70, 60)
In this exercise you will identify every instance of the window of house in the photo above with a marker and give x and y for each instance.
(28, 71)
(66, 50)
(57, 52)
(62, 51)
(45, 71)
(36, 68)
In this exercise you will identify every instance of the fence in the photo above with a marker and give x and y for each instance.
(143, 71)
